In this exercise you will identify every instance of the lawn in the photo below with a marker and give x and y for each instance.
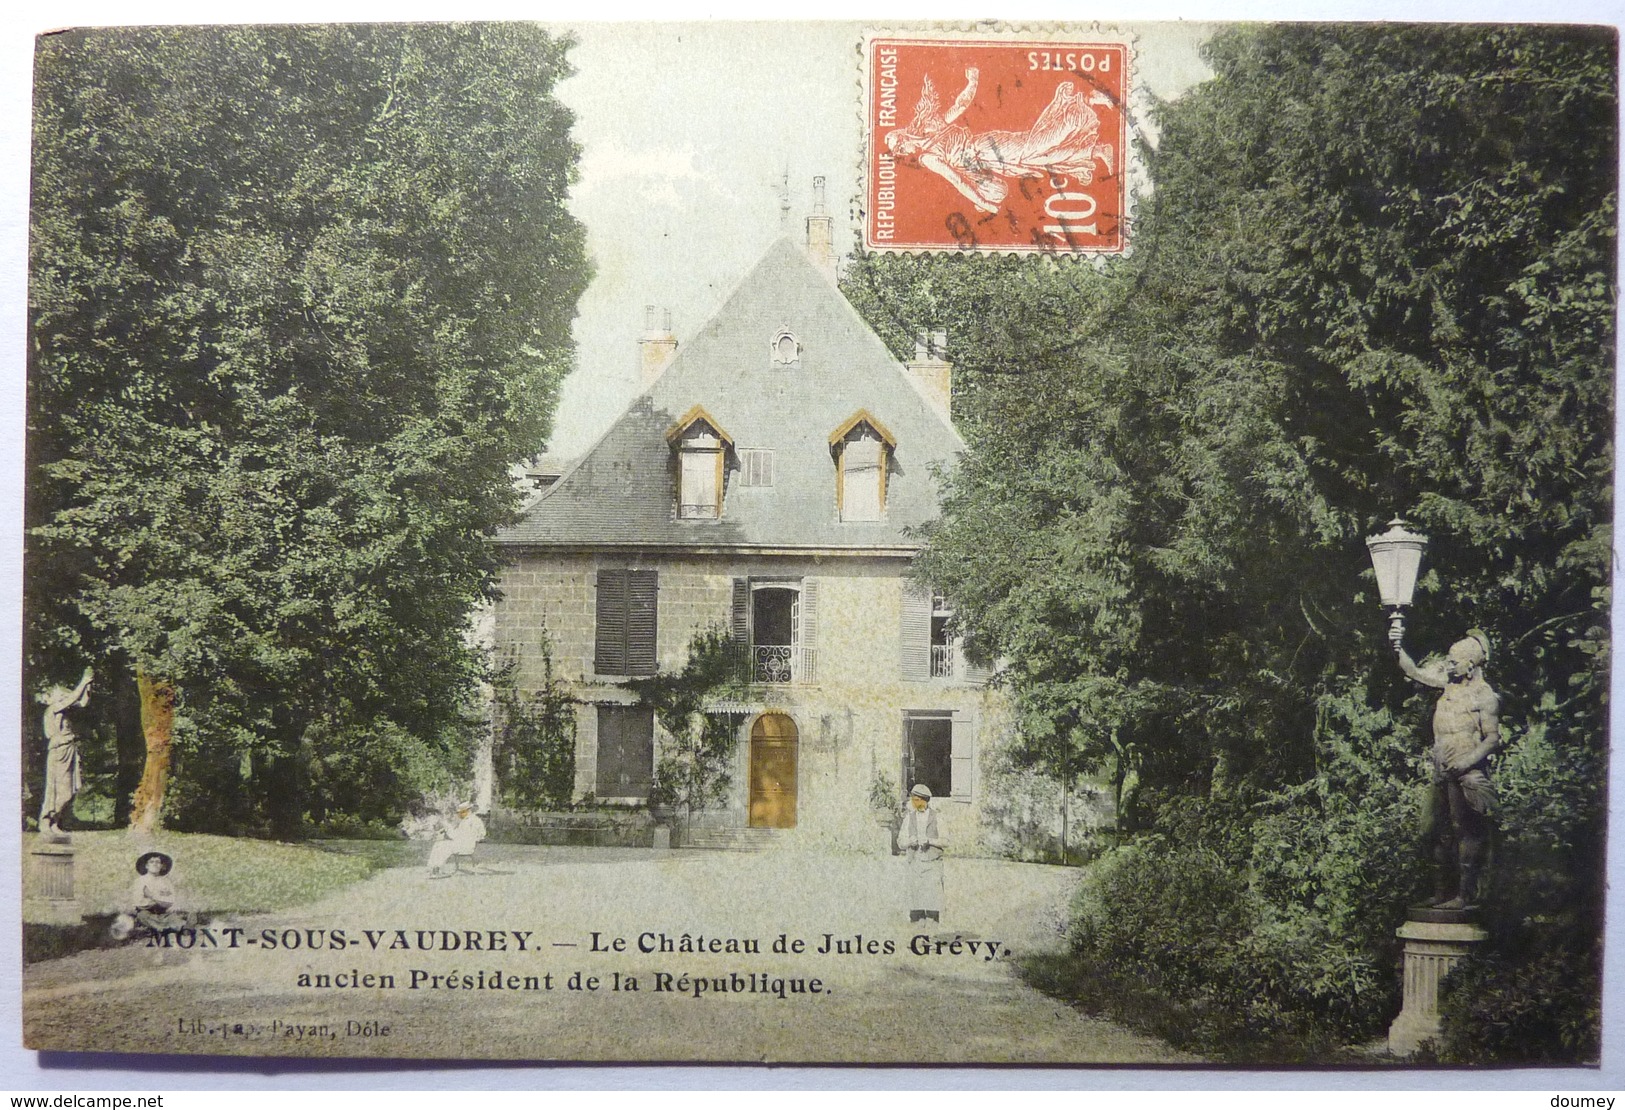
(223, 874)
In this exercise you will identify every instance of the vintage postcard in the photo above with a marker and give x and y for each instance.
(907, 543)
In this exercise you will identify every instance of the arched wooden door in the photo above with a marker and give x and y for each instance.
(773, 742)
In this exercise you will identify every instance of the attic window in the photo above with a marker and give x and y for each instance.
(700, 446)
(756, 466)
(863, 448)
(785, 351)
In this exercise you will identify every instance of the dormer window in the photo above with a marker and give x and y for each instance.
(785, 351)
(700, 446)
(862, 448)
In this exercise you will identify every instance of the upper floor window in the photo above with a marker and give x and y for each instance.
(863, 448)
(930, 647)
(624, 639)
(942, 644)
(775, 622)
(701, 448)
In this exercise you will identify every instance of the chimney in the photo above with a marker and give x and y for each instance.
(658, 344)
(821, 232)
(933, 372)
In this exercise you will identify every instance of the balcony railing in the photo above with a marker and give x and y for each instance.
(775, 663)
(942, 660)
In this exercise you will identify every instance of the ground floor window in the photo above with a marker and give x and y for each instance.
(928, 750)
(626, 751)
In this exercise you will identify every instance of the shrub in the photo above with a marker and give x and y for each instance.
(1538, 1007)
(534, 742)
(1533, 996)
(1173, 916)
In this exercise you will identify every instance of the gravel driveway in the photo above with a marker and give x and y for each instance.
(502, 964)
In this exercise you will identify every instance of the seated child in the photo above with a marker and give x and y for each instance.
(152, 898)
(458, 841)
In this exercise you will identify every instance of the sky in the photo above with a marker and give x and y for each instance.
(688, 132)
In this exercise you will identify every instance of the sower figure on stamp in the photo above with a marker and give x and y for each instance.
(62, 773)
(1062, 142)
(1466, 732)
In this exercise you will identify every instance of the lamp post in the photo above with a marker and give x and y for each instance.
(1395, 556)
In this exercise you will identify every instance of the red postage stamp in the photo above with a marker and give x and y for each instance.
(996, 144)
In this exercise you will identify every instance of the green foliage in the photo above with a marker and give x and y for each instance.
(1272, 910)
(1031, 815)
(535, 743)
(692, 770)
(1176, 917)
(367, 776)
(1529, 1008)
(299, 296)
(1376, 275)
(1530, 996)
(1335, 851)
(885, 796)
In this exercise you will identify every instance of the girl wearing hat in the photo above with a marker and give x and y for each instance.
(922, 844)
(154, 889)
(152, 898)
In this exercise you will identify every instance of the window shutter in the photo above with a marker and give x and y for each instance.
(809, 630)
(976, 672)
(909, 777)
(610, 638)
(964, 751)
(916, 633)
(740, 626)
(625, 751)
(764, 468)
(642, 609)
(882, 478)
(861, 462)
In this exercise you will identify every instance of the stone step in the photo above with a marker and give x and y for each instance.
(735, 839)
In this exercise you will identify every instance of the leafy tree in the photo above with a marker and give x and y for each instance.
(1376, 275)
(299, 295)
(692, 771)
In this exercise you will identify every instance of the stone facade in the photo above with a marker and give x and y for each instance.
(850, 720)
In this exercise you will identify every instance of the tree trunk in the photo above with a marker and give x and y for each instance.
(1066, 817)
(284, 796)
(129, 742)
(1119, 779)
(158, 727)
(485, 774)
(283, 788)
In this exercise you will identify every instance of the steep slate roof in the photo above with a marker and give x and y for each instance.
(622, 493)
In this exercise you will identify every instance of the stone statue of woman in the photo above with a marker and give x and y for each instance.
(62, 774)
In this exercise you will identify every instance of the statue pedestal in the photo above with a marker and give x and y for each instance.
(1435, 942)
(50, 899)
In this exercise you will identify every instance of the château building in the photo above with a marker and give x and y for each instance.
(767, 482)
